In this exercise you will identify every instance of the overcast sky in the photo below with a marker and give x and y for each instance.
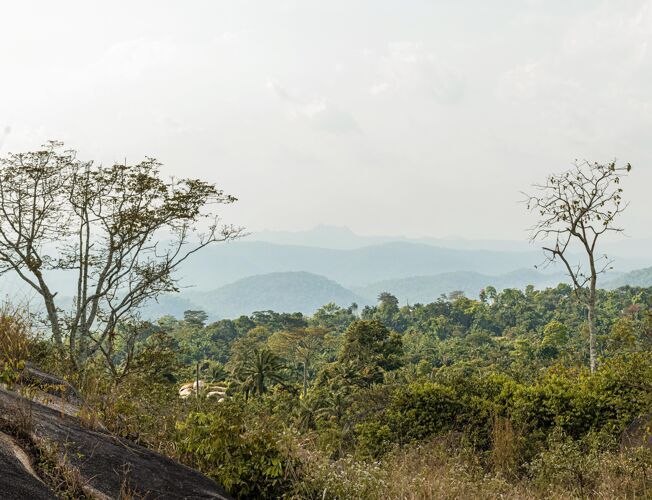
(422, 118)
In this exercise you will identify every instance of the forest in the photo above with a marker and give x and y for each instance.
(326, 250)
(517, 393)
(488, 396)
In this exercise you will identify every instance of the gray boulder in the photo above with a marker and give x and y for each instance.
(106, 465)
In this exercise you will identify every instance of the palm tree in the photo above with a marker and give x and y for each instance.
(258, 369)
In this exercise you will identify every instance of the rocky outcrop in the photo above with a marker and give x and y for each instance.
(105, 464)
(18, 480)
(210, 390)
(33, 377)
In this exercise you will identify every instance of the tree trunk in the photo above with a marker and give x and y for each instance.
(305, 379)
(591, 320)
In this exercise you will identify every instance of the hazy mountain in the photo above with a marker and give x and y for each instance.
(281, 292)
(222, 264)
(639, 277)
(305, 292)
(426, 289)
(168, 305)
(343, 238)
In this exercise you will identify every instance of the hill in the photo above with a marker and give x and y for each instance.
(222, 264)
(283, 292)
(639, 277)
(305, 292)
(425, 289)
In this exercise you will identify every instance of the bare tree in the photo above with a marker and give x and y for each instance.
(579, 206)
(119, 231)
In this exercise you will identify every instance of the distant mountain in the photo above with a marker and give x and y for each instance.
(168, 305)
(225, 263)
(639, 277)
(281, 292)
(426, 289)
(343, 238)
(306, 292)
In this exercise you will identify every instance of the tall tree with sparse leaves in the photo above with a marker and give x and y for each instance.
(578, 207)
(120, 231)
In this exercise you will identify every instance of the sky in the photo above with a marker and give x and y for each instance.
(418, 118)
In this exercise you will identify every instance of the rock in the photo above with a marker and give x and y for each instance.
(18, 481)
(50, 384)
(107, 464)
(210, 390)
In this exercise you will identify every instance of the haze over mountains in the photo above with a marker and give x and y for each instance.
(638, 277)
(298, 291)
(301, 271)
(340, 237)
(355, 261)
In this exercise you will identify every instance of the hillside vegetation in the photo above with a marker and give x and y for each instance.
(512, 393)
(284, 292)
(638, 277)
(485, 397)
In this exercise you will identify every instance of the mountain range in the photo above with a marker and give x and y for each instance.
(301, 271)
(226, 263)
(638, 277)
(306, 292)
(240, 277)
(343, 238)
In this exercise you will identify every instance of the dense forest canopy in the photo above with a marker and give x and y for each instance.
(520, 392)
(504, 374)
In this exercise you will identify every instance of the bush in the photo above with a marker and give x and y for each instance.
(14, 344)
(248, 462)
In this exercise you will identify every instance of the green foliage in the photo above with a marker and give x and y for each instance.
(421, 410)
(257, 370)
(15, 344)
(368, 343)
(493, 394)
(248, 462)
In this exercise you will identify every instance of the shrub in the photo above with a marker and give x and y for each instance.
(14, 344)
(248, 462)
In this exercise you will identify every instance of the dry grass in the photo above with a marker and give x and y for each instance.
(15, 341)
(443, 469)
(58, 474)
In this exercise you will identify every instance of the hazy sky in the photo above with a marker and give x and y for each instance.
(391, 117)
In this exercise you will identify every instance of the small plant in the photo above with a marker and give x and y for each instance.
(63, 478)
(14, 344)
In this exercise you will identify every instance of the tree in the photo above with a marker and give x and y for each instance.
(258, 369)
(555, 337)
(195, 318)
(388, 312)
(388, 301)
(369, 346)
(300, 345)
(333, 317)
(579, 206)
(119, 232)
(140, 348)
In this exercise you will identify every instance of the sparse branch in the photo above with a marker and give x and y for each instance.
(105, 225)
(579, 205)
